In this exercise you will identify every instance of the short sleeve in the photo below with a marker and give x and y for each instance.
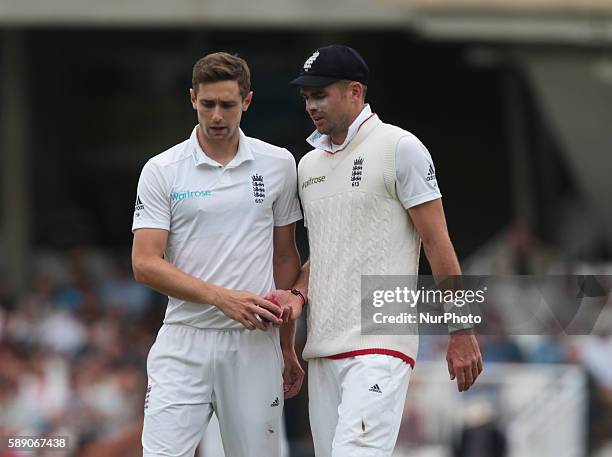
(416, 175)
(152, 208)
(301, 188)
(286, 207)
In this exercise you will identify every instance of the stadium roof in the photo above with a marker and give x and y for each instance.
(545, 21)
(273, 12)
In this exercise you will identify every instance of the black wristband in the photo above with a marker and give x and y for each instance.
(300, 294)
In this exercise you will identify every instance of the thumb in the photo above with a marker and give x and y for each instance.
(451, 371)
(286, 381)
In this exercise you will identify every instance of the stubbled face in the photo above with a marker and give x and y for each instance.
(219, 106)
(329, 107)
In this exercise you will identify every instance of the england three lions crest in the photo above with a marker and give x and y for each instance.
(356, 174)
(259, 188)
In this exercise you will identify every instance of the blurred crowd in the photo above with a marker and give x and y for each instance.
(73, 350)
(73, 355)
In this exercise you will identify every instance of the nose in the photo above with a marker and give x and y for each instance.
(216, 116)
(310, 107)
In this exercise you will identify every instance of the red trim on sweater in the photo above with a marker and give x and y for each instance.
(345, 355)
(364, 121)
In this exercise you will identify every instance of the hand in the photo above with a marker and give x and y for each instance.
(285, 310)
(290, 304)
(293, 374)
(245, 307)
(464, 359)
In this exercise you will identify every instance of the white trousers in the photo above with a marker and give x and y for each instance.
(193, 372)
(212, 446)
(356, 404)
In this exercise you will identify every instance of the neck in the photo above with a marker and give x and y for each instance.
(340, 136)
(222, 151)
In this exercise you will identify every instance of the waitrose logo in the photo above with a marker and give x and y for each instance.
(313, 180)
(178, 196)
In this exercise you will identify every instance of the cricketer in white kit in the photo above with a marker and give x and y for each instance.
(370, 196)
(214, 230)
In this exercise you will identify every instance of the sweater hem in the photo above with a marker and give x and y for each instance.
(345, 355)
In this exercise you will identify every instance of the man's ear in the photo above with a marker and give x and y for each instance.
(194, 98)
(357, 91)
(246, 102)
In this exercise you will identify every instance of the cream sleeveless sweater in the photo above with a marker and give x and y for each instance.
(356, 226)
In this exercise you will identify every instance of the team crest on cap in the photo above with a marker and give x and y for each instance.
(310, 61)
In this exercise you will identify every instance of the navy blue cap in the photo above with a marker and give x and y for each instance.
(330, 64)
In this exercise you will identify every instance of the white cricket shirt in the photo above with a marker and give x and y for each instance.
(220, 219)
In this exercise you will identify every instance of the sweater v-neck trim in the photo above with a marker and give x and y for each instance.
(366, 127)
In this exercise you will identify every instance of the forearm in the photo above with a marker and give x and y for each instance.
(302, 280)
(287, 337)
(286, 270)
(444, 262)
(430, 222)
(441, 257)
(301, 283)
(161, 275)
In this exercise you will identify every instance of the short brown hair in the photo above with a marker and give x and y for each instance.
(221, 66)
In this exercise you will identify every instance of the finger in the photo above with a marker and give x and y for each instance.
(480, 367)
(247, 324)
(267, 315)
(263, 322)
(283, 315)
(286, 381)
(294, 388)
(460, 374)
(298, 383)
(289, 312)
(296, 312)
(282, 318)
(451, 371)
(270, 306)
(293, 391)
(256, 322)
(475, 371)
(288, 390)
(469, 379)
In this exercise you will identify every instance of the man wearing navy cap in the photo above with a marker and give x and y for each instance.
(370, 196)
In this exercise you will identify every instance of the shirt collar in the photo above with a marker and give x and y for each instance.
(243, 154)
(323, 142)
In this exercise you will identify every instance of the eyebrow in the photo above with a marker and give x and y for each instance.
(212, 100)
(314, 92)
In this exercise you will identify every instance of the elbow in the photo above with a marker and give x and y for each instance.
(285, 260)
(139, 268)
(279, 260)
